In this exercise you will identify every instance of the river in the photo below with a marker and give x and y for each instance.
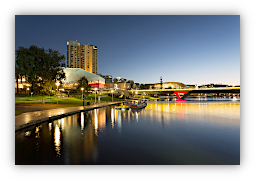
(165, 132)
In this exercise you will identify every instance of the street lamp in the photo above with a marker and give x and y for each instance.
(28, 92)
(112, 95)
(82, 93)
(95, 94)
(57, 83)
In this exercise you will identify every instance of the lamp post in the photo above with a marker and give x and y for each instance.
(83, 103)
(95, 95)
(28, 92)
(82, 93)
(57, 83)
(112, 95)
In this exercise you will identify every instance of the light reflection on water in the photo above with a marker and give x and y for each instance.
(162, 133)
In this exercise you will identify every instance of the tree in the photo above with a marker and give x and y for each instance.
(39, 66)
(84, 83)
(17, 76)
(115, 80)
(26, 63)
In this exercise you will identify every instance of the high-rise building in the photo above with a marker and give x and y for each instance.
(82, 56)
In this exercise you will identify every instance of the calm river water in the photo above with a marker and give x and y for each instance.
(167, 133)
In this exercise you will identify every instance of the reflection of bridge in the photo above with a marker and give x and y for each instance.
(184, 92)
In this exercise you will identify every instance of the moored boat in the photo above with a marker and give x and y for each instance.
(138, 105)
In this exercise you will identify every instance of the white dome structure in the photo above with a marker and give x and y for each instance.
(73, 75)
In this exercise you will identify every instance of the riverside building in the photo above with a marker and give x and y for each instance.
(82, 56)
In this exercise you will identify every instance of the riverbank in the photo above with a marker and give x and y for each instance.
(35, 117)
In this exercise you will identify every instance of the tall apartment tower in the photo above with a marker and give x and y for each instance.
(82, 56)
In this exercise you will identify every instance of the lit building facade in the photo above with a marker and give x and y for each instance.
(108, 78)
(168, 85)
(73, 75)
(118, 85)
(82, 56)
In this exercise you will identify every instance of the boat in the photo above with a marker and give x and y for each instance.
(123, 107)
(137, 106)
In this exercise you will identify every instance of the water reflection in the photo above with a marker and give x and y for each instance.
(57, 141)
(119, 121)
(205, 111)
(95, 121)
(162, 133)
(112, 117)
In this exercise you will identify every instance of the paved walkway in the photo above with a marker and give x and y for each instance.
(31, 118)
(30, 108)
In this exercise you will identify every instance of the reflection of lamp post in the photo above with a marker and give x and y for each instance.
(112, 95)
(57, 83)
(95, 95)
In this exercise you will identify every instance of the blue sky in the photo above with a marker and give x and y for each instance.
(187, 49)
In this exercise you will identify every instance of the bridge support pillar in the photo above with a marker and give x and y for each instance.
(177, 93)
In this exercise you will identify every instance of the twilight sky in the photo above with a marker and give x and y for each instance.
(187, 49)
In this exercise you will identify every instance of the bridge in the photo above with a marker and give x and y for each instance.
(179, 92)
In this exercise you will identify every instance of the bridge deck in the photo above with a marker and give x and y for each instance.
(191, 89)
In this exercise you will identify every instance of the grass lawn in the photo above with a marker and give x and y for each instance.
(63, 101)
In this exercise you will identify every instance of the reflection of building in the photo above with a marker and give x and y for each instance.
(82, 56)
(73, 75)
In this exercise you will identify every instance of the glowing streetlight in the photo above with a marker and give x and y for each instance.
(95, 95)
(57, 83)
(82, 93)
(82, 96)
